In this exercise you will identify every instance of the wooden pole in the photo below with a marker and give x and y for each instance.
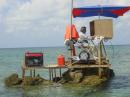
(107, 70)
(34, 73)
(107, 60)
(60, 72)
(71, 22)
(49, 74)
(30, 73)
(99, 58)
(55, 74)
(23, 73)
(52, 73)
(71, 18)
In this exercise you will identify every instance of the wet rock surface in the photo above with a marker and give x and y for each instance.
(31, 81)
(86, 76)
(72, 76)
(14, 80)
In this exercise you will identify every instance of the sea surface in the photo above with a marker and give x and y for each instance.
(12, 59)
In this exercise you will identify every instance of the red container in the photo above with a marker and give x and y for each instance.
(33, 59)
(61, 60)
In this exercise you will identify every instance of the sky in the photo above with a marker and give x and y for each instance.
(42, 23)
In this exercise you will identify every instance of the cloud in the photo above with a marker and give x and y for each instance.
(42, 22)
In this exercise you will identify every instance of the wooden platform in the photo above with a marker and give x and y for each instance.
(52, 66)
(55, 66)
(89, 66)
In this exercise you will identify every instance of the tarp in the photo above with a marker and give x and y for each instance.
(107, 11)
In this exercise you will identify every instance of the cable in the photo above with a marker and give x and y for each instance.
(113, 54)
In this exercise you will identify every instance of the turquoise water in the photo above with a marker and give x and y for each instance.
(119, 86)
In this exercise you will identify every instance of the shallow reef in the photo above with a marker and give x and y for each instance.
(87, 77)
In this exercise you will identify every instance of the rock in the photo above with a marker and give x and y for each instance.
(66, 76)
(31, 81)
(71, 76)
(93, 80)
(13, 80)
(74, 76)
(86, 76)
(56, 79)
(78, 76)
(111, 74)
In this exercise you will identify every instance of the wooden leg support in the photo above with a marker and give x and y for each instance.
(100, 72)
(23, 71)
(50, 74)
(30, 73)
(60, 72)
(55, 75)
(34, 73)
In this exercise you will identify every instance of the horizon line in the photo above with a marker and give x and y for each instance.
(53, 46)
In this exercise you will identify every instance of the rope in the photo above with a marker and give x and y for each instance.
(113, 52)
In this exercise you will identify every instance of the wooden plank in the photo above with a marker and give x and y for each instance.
(54, 66)
(89, 66)
(69, 66)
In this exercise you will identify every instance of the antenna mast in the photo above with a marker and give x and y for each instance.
(71, 18)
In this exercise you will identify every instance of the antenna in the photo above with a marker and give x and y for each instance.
(71, 18)
(71, 22)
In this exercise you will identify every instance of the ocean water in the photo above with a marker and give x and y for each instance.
(12, 59)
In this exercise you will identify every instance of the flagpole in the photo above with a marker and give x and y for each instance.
(71, 18)
(71, 22)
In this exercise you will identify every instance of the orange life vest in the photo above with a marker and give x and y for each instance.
(71, 35)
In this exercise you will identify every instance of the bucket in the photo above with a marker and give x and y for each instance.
(61, 60)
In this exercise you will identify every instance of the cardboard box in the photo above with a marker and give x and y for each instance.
(102, 27)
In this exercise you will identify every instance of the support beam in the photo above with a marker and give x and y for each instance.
(49, 74)
(99, 58)
(34, 73)
(60, 72)
(30, 73)
(52, 74)
(55, 75)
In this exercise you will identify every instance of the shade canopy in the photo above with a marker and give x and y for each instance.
(107, 11)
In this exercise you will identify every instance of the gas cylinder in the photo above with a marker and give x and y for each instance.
(61, 60)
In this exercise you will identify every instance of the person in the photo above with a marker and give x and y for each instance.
(82, 35)
(87, 45)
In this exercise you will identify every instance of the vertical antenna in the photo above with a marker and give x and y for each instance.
(71, 22)
(71, 18)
